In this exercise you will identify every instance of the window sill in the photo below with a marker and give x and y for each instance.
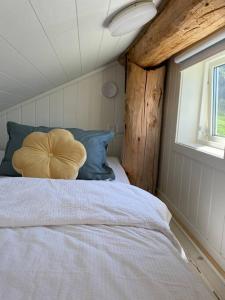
(219, 153)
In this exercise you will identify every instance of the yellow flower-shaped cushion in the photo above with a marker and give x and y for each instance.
(55, 154)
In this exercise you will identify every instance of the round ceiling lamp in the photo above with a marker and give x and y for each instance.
(132, 17)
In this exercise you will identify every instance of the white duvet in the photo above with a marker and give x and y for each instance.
(88, 240)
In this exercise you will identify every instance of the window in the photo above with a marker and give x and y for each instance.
(218, 101)
(214, 98)
(201, 113)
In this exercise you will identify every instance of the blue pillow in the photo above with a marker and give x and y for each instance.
(94, 141)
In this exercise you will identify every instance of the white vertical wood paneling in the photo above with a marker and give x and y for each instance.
(3, 131)
(14, 115)
(56, 109)
(76, 104)
(216, 220)
(70, 106)
(203, 208)
(84, 100)
(171, 178)
(178, 169)
(95, 103)
(196, 172)
(28, 113)
(108, 105)
(223, 241)
(43, 111)
(185, 186)
(192, 183)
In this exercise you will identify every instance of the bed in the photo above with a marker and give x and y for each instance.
(66, 239)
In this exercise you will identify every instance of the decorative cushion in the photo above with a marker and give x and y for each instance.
(50, 155)
(94, 141)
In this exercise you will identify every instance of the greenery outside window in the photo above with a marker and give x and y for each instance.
(212, 112)
(218, 103)
(201, 110)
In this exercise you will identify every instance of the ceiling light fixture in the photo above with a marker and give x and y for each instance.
(132, 18)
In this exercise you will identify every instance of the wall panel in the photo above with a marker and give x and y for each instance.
(185, 186)
(14, 114)
(192, 183)
(195, 181)
(28, 113)
(42, 110)
(79, 103)
(216, 219)
(71, 106)
(56, 107)
(204, 203)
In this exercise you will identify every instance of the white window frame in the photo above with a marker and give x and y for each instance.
(211, 139)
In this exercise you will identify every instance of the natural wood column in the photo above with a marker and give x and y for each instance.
(133, 147)
(143, 125)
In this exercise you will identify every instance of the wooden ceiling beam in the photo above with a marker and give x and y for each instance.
(179, 25)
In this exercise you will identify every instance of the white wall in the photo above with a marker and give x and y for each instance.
(190, 101)
(192, 183)
(78, 103)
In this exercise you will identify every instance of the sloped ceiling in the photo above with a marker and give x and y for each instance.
(45, 43)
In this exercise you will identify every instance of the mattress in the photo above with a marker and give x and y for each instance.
(113, 162)
(118, 170)
(85, 240)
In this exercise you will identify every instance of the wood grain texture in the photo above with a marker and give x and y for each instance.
(143, 125)
(152, 118)
(180, 24)
(134, 139)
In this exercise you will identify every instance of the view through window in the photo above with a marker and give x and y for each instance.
(218, 105)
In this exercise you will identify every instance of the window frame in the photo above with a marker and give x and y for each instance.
(213, 140)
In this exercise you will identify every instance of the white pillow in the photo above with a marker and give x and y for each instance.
(2, 153)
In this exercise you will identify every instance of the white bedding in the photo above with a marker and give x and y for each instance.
(113, 162)
(118, 170)
(89, 240)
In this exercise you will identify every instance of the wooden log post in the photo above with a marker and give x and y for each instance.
(143, 116)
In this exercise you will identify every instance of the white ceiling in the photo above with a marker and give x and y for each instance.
(44, 43)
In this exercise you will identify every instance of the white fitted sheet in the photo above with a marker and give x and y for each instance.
(118, 170)
(113, 162)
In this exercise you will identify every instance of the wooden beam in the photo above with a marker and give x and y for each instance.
(133, 148)
(143, 125)
(180, 24)
(153, 117)
(122, 58)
